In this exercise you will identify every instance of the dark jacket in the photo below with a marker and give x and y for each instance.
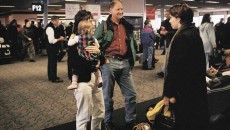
(105, 38)
(185, 77)
(2, 31)
(27, 33)
(170, 33)
(227, 36)
(12, 33)
(82, 67)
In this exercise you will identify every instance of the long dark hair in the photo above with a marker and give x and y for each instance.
(206, 18)
(81, 15)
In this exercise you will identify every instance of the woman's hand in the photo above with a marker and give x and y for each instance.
(166, 101)
(92, 49)
(213, 71)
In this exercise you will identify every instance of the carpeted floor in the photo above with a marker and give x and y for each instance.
(118, 117)
(28, 101)
(218, 103)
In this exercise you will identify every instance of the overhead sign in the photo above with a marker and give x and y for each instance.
(71, 10)
(150, 12)
(37, 8)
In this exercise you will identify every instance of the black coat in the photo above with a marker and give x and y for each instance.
(185, 78)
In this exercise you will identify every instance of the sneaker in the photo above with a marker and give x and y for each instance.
(71, 87)
(160, 75)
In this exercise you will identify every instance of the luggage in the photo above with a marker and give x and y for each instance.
(61, 55)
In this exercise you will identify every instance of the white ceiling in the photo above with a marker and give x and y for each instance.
(199, 5)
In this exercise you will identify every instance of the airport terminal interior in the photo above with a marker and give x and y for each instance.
(29, 100)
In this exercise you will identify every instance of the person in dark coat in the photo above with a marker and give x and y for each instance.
(27, 42)
(185, 72)
(166, 32)
(227, 34)
(2, 31)
(12, 37)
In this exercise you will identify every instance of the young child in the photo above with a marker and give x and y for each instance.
(85, 39)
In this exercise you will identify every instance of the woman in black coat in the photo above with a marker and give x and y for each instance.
(185, 72)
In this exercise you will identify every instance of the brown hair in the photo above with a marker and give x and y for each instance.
(81, 15)
(85, 26)
(182, 11)
(147, 21)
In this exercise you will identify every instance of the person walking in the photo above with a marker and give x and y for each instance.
(118, 45)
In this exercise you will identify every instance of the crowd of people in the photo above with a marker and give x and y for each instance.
(97, 59)
(29, 40)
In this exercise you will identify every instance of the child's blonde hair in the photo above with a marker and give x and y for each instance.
(85, 26)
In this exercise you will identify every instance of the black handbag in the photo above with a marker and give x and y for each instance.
(219, 82)
(163, 122)
(215, 58)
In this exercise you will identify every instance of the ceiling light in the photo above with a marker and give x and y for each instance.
(168, 5)
(213, 2)
(188, 0)
(7, 6)
(193, 7)
(209, 8)
(59, 15)
(54, 5)
(149, 4)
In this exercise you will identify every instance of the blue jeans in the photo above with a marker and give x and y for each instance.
(148, 55)
(119, 71)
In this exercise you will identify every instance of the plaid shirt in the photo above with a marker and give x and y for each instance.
(83, 42)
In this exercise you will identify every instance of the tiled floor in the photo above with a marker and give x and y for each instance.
(29, 101)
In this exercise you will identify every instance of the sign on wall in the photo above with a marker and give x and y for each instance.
(95, 11)
(37, 8)
(150, 12)
(71, 10)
